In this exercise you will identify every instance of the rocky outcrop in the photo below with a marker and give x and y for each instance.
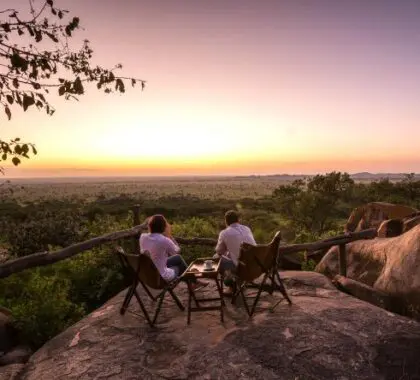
(409, 223)
(396, 227)
(7, 332)
(11, 372)
(18, 354)
(391, 228)
(324, 334)
(371, 215)
(10, 350)
(389, 265)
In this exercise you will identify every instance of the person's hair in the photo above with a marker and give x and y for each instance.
(157, 224)
(231, 217)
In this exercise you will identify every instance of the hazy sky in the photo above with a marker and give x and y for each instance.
(239, 87)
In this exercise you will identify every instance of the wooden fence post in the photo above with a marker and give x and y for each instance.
(343, 260)
(136, 221)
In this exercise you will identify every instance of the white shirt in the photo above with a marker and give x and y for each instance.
(160, 248)
(230, 240)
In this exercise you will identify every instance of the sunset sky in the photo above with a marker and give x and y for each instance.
(238, 87)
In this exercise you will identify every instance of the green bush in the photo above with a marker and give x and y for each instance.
(40, 304)
(308, 265)
(46, 300)
(96, 276)
(195, 227)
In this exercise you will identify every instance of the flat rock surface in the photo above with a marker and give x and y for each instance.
(325, 334)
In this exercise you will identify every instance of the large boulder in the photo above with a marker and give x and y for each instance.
(324, 334)
(389, 265)
(371, 215)
(396, 227)
(391, 228)
(7, 331)
(19, 354)
(409, 223)
(11, 372)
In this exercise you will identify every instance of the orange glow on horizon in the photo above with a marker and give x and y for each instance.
(240, 89)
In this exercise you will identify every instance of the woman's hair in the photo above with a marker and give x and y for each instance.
(157, 224)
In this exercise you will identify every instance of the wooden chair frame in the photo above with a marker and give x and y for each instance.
(135, 273)
(268, 266)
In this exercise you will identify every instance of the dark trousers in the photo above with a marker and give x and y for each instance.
(177, 263)
(227, 268)
(226, 264)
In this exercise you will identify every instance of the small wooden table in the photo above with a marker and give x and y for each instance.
(196, 271)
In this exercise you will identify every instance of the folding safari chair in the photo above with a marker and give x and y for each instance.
(141, 269)
(254, 261)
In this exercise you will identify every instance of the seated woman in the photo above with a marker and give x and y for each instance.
(163, 249)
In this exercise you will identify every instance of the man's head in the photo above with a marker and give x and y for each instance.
(231, 217)
(157, 224)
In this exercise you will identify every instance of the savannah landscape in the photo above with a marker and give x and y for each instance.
(232, 92)
(37, 216)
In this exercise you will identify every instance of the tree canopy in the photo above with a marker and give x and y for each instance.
(36, 60)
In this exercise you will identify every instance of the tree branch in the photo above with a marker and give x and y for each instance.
(8, 10)
(40, 12)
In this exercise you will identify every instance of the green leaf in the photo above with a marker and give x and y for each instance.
(38, 35)
(6, 27)
(8, 113)
(27, 101)
(18, 62)
(4, 156)
(15, 83)
(36, 85)
(119, 85)
(78, 86)
(52, 36)
(15, 161)
(61, 90)
(9, 99)
(30, 30)
(74, 23)
(34, 151)
(18, 98)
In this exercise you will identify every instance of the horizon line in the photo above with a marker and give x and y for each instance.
(208, 175)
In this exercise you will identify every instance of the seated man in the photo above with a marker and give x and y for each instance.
(229, 243)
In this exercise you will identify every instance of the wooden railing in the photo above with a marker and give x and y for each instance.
(46, 258)
(340, 240)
